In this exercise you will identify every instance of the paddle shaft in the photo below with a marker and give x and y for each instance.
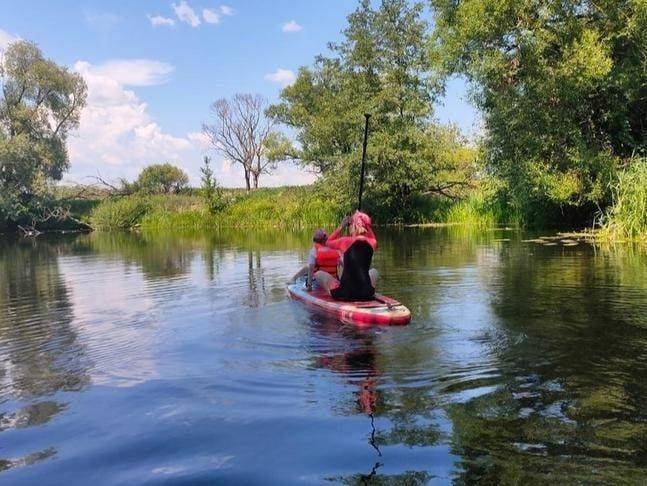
(361, 179)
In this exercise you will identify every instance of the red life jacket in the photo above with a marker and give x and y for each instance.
(327, 259)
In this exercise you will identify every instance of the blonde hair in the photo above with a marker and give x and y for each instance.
(357, 230)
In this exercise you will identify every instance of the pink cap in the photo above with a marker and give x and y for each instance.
(361, 219)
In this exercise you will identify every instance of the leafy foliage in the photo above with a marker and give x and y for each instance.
(381, 67)
(563, 89)
(41, 102)
(211, 191)
(120, 214)
(283, 206)
(162, 179)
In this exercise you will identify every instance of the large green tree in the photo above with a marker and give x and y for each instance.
(39, 105)
(162, 179)
(382, 67)
(563, 89)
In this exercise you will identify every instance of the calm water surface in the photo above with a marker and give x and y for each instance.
(178, 359)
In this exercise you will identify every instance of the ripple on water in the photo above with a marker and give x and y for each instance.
(134, 359)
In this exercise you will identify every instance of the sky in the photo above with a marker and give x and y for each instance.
(153, 69)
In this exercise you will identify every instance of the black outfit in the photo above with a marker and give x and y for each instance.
(355, 283)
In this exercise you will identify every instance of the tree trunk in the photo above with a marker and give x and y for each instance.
(255, 175)
(247, 185)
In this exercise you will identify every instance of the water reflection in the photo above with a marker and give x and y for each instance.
(256, 283)
(394, 416)
(573, 384)
(39, 350)
(524, 363)
(350, 352)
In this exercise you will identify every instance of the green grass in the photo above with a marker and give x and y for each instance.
(122, 213)
(276, 207)
(294, 206)
(82, 208)
(283, 207)
(627, 218)
(482, 208)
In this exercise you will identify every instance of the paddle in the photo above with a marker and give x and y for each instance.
(361, 180)
(367, 116)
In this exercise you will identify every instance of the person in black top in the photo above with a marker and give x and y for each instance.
(355, 282)
(358, 279)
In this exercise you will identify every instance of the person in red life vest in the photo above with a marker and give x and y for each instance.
(358, 279)
(320, 259)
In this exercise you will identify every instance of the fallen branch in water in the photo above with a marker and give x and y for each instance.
(58, 213)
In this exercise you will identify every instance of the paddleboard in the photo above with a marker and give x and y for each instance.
(383, 311)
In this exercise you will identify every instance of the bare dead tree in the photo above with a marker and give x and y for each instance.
(123, 187)
(240, 132)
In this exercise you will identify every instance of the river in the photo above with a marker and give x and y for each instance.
(178, 359)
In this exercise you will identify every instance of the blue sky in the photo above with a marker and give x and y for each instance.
(154, 67)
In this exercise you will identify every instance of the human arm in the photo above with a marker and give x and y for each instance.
(303, 271)
(311, 272)
(340, 244)
(312, 265)
(337, 233)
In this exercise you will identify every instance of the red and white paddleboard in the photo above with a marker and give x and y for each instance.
(382, 311)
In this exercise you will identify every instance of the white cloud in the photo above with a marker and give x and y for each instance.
(133, 72)
(200, 139)
(6, 38)
(210, 16)
(159, 20)
(117, 135)
(281, 76)
(291, 26)
(227, 10)
(230, 174)
(287, 174)
(186, 14)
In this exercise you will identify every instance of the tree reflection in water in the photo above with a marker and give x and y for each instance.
(256, 291)
(524, 364)
(40, 354)
(571, 351)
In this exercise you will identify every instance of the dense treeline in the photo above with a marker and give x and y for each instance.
(561, 86)
(384, 67)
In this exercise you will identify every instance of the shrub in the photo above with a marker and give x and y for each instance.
(162, 179)
(123, 213)
(485, 206)
(211, 190)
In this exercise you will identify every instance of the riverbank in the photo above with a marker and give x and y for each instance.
(271, 207)
(287, 207)
(309, 206)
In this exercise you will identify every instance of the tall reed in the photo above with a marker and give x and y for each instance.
(627, 217)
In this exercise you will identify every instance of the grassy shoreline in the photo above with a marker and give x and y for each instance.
(307, 206)
(283, 207)
(273, 207)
